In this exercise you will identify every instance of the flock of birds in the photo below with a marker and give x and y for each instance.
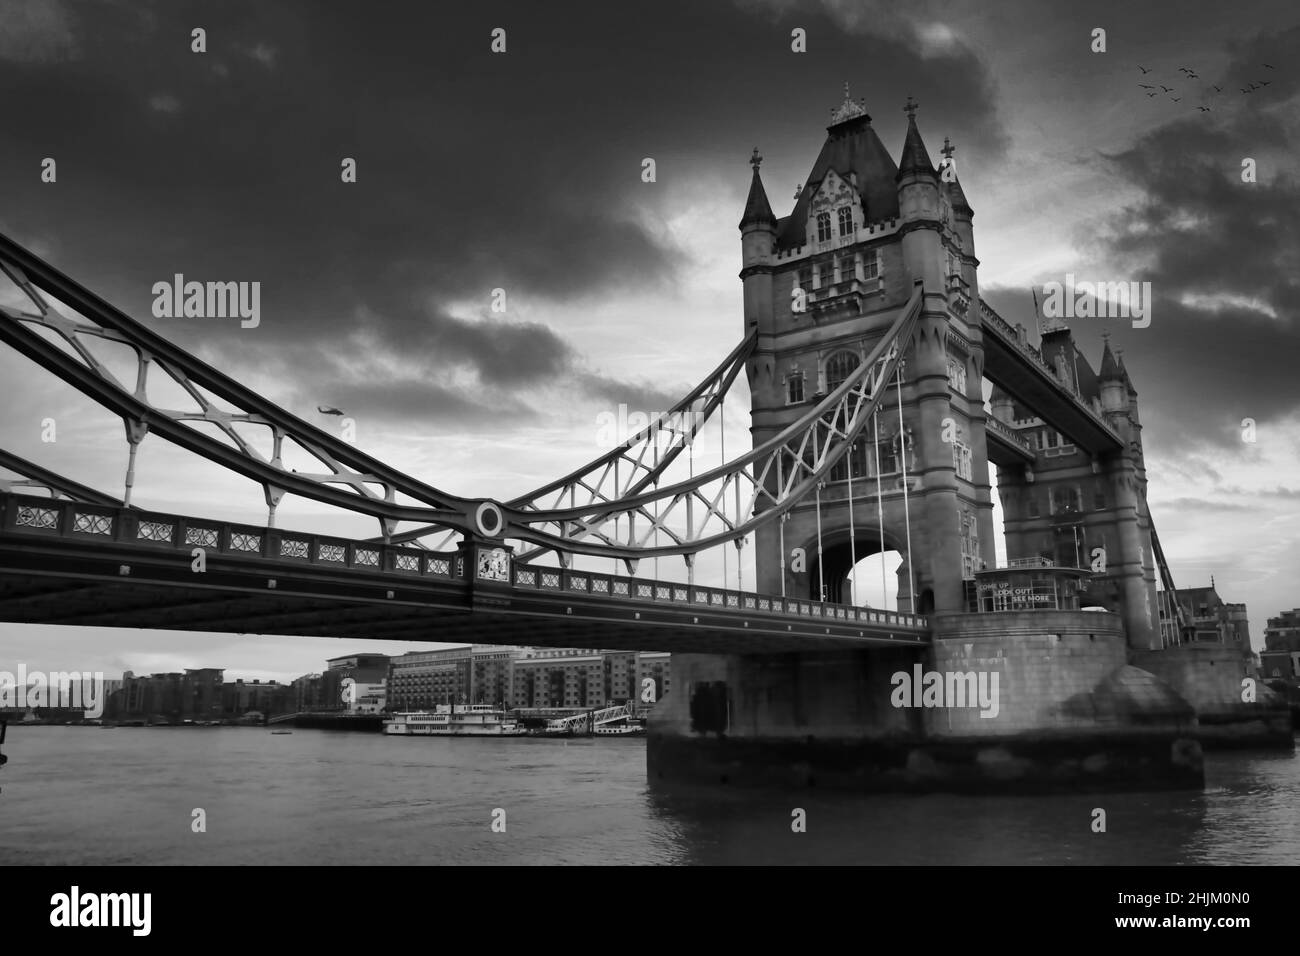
(1189, 74)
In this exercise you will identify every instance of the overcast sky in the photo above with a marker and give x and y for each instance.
(522, 171)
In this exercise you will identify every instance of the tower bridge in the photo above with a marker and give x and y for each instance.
(865, 345)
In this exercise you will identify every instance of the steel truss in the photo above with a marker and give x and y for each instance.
(612, 510)
(349, 473)
(632, 466)
(34, 476)
(1167, 579)
(724, 504)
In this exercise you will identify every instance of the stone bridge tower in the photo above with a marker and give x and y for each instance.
(822, 286)
(1071, 510)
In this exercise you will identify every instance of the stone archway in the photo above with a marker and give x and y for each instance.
(838, 554)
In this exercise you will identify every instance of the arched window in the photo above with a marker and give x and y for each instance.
(846, 221)
(823, 226)
(794, 387)
(838, 367)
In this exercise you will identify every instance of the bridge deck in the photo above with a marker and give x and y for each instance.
(73, 563)
(1019, 370)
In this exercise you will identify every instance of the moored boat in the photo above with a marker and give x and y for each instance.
(451, 720)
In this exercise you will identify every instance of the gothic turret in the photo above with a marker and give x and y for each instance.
(1128, 382)
(1109, 367)
(918, 205)
(915, 160)
(962, 216)
(758, 211)
(1114, 395)
(757, 249)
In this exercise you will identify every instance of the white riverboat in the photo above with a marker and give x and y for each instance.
(452, 720)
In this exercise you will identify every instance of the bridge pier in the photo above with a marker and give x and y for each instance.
(1232, 709)
(1066, 712)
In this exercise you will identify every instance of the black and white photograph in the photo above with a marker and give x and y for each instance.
(733, 433)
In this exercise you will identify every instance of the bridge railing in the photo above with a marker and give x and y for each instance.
(175, 533)
(1034, 562)
(158, 533)
(1008, 434)
(620, 587)
(994, 321)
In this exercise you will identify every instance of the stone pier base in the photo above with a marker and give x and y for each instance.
(1213, 679)
(1023, 702)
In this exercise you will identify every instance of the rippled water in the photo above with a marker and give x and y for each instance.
(125, 796)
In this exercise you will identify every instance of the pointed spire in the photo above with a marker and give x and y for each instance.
(956, 195)
(757, 209)
(1128, 382)
(1110, 370)
(915, 159)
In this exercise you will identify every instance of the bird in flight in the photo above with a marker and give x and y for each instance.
(1203, 109)
(1153, 94)
(1166, 89)
(1267, 67)
(1264, 82)
(1218, 89)
(328, 410)
(1146, 86)
(1183, 69)
(1145, 70)
(1176, 99)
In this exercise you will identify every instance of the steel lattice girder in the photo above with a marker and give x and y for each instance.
(56, 484)
(626, 464)
(348, 466)
(776, 475)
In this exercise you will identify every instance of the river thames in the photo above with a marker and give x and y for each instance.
(84, 795)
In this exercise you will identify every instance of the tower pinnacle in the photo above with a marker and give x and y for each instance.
(915, 159)
(848, 110)
(757, 209)
(1109, 367)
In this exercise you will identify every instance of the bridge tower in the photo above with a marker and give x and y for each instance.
(1075, 511)
(822, 286)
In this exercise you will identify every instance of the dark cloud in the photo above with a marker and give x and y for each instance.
(1223, 260)
(406, 402)
(37, 31)
(484, 372)
(638, 395)
(475, 171)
